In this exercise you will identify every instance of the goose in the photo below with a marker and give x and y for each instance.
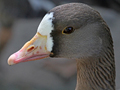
(74, 31)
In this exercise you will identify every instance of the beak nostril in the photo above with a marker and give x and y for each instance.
(30, 48)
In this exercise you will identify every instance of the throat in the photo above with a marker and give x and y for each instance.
(95, 74)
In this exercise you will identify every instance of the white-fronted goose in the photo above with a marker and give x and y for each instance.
(75, 31)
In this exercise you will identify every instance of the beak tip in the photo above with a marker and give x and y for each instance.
(11, 60)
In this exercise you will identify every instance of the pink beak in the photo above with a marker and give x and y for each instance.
(34, 49)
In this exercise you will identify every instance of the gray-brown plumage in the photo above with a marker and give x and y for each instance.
(90, 44)
(79, 33)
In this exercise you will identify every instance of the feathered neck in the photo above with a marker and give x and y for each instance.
(96, 73)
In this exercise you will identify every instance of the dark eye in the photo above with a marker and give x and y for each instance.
(68, 30)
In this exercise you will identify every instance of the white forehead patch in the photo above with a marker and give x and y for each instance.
(45, 28)
(46, 25)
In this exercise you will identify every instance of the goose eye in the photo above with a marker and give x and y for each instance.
(68, 30)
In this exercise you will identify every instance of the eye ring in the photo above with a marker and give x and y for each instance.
(68, 30)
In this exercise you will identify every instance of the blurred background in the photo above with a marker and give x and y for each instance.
(19, 20)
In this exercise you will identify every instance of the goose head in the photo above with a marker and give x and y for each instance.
(75, 31)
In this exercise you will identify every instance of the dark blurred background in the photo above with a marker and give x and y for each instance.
(19, 20)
